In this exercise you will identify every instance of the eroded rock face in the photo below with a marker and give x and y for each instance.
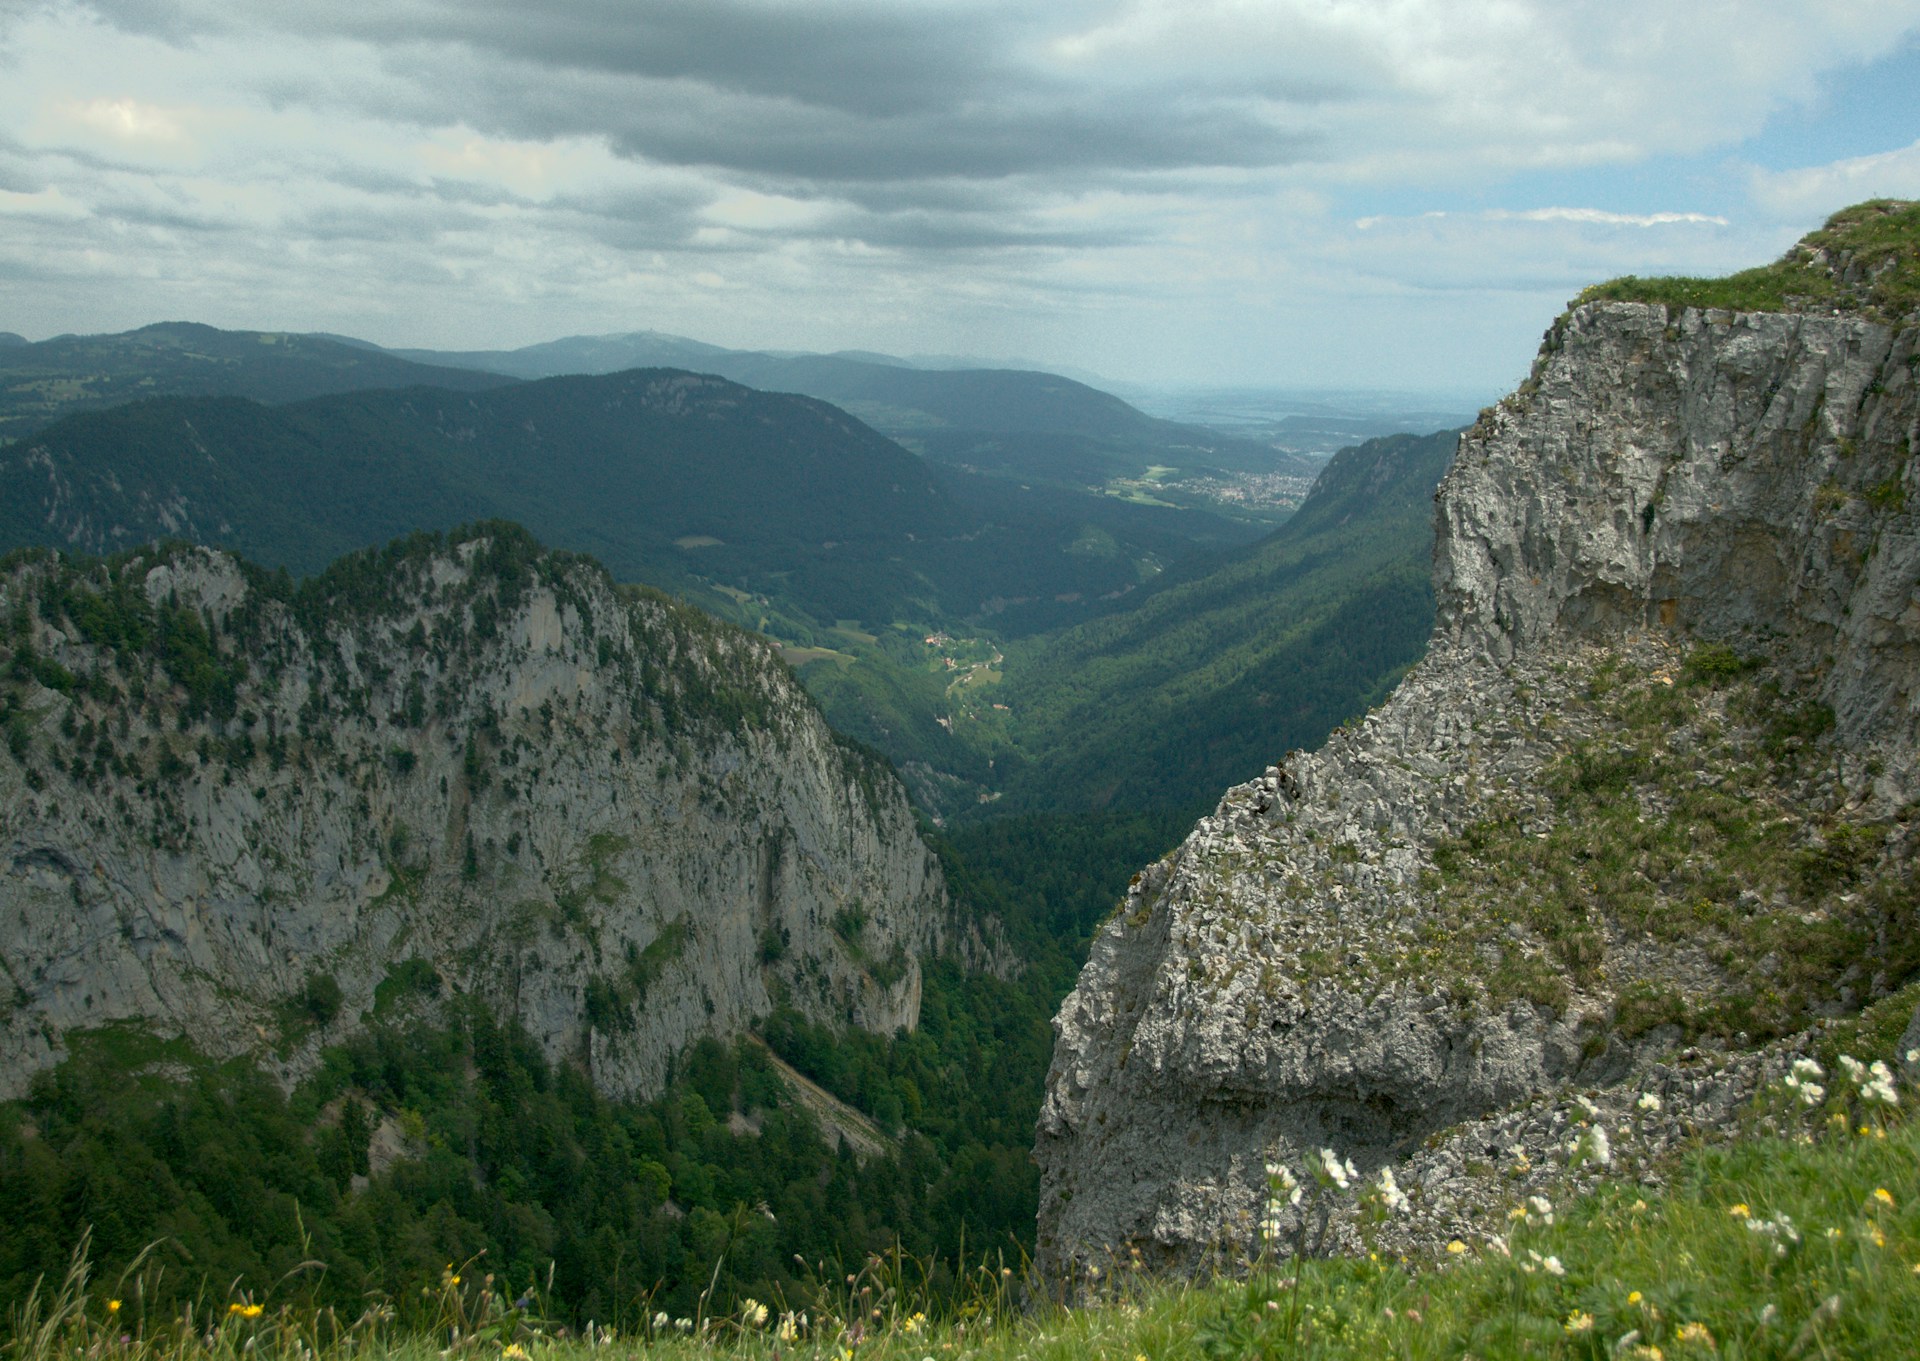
(609, 817)
(1735, 476)
(1464, 903)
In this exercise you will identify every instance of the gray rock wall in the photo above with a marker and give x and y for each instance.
(607, 817)
(1301, 973)
(1730, 475)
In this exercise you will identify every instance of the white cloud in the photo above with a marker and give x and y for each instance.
(1603, 218)
(1554, 250)
(1595, 216)
(1818, 190)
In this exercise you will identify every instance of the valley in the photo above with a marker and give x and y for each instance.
(682, 822)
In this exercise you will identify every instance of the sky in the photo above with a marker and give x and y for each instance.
(1310, 193)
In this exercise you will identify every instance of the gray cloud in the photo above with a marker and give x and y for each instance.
(796, 172)
(840, 93)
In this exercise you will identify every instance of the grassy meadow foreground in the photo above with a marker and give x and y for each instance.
(1802, 1238)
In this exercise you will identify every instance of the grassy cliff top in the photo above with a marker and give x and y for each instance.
(1866, 259)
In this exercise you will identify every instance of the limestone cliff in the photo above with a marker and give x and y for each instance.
(1646, 804)
(254, 813)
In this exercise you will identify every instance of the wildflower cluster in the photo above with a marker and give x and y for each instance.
(1591, 1145)
(1804, 1082)
(1334, 1172)
(1388, 1195)
(1778, 1230)
(1874, 1081)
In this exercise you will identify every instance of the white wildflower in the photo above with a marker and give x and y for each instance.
(1585, 1104)
(1856, 1070)
(660, 1322)
(1336, 1172)
(1390, 1194)
(1880, 1086)
(1541, 1207)
(1780, 1229)
(1281, 1186)
(1648, 1102)
(1802, 1082)
(1551, 1265)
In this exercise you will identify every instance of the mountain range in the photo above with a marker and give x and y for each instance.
(777, 511)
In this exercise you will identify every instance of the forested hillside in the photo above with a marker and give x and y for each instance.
(1211, 679)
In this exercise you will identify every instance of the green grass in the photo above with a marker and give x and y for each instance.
(1880, 239)
(1700, 1268)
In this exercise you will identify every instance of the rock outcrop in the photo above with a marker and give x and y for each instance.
(1650, 790)
(255, 815)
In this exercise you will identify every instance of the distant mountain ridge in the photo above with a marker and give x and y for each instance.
(1067, 430)
(41, 382)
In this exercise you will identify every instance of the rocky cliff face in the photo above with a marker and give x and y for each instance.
(1645, 805)
(254, 814)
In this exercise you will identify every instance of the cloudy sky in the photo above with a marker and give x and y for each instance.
(1363, 193)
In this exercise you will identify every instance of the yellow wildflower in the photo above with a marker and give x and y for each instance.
(1696, 1333)
(514, 1350)
(1883, 1195)
(1740, 1211)
(113, 1306)
(1456, 1247)
(1633, 1297)
(1579, 1322)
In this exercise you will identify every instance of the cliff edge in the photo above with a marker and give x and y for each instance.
(1641, 816)
(253, 813)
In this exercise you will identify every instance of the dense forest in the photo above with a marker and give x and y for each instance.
(722, 1183)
